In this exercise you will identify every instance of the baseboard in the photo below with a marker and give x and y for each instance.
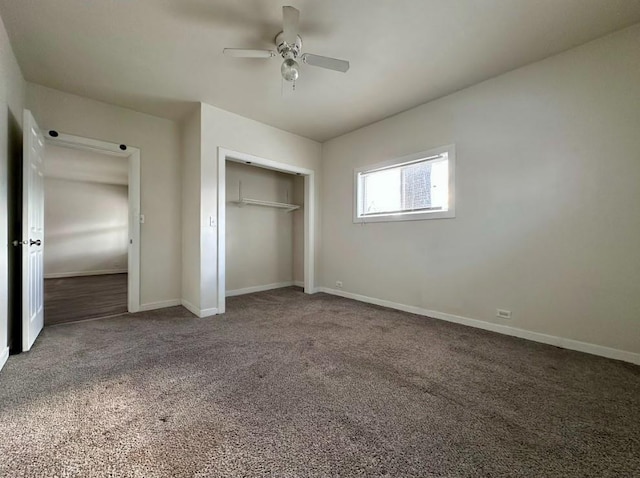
(258, 288)
(197, 311)
(160, 305)
(62, 275)
(208, 312)
(4, 355)
(298, 283)
(501, 329)
(190, 307)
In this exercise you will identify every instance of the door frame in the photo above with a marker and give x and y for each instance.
(133, 155)
(225, 155)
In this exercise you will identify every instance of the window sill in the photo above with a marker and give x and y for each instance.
(422, 216)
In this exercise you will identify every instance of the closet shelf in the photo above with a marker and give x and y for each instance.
(258, 202)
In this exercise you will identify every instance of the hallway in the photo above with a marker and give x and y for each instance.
(88, 297)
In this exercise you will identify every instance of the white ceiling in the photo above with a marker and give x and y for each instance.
(160, 56)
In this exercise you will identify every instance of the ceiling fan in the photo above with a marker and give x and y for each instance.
(289, 46)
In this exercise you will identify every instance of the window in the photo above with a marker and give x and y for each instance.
(419, 186)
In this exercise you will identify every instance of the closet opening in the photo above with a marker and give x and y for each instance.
(266, 214)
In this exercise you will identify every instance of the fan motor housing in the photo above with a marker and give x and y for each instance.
(285, 48)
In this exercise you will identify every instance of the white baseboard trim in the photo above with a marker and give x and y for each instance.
(502, 329)
(190, 307)
(160, 305)
(208, 312)
(258, 288)
(298, 283)
(4, 355)
(197, 311)
(62, 275)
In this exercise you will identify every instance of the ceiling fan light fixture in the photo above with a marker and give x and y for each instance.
(290, 69)
(289, 46)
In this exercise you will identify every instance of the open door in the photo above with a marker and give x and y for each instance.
(32, 231)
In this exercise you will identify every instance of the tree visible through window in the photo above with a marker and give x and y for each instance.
(416, 186)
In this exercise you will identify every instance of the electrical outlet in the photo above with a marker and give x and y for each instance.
(339, 284)
(503, 314)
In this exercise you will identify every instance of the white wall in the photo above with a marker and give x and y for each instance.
(191, 162)
(159, 143)
(86, 213)
(548, 201)
(12, 93)
(259, 240)
(220, 128)
(298, 230)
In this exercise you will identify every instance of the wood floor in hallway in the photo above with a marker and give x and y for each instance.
(79, 298)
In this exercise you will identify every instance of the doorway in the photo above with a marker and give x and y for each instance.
(308, 212)
(91, 236)
(28, 229)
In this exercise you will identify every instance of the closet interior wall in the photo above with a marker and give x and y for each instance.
(264, 244)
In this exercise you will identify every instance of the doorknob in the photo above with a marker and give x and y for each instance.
(37, 243)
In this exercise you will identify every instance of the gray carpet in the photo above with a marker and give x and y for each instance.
(286, 384)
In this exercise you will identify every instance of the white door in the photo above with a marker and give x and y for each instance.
(32, 231)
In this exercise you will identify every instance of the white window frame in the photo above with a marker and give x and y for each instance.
(409, 216)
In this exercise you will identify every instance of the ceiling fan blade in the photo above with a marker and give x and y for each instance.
(245, 53)
(325, 62)
(290, 19)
